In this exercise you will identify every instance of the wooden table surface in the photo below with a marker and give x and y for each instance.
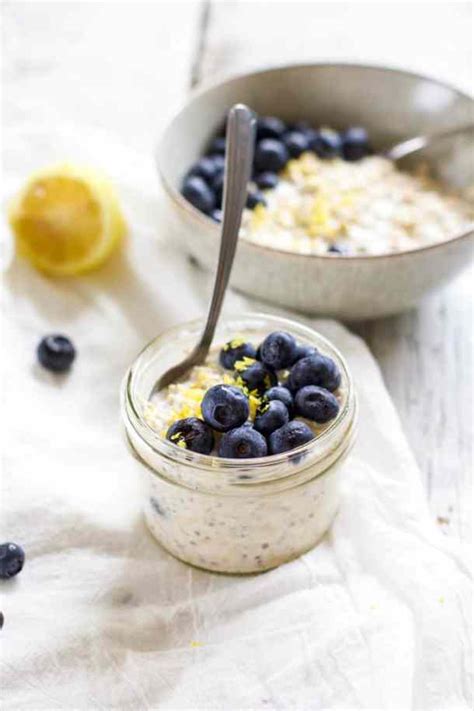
(128, 66)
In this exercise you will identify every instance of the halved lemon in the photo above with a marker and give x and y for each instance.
(67, 220)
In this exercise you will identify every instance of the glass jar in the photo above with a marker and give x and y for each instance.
(236, 515)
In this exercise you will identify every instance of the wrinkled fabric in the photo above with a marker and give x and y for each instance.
(375, 617)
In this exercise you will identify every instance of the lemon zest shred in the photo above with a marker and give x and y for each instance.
(259, 216)
(242, 364)
(235, 343)
(254, 405)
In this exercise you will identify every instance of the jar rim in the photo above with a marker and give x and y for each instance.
(208, 462)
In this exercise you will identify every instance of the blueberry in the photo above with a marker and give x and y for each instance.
(12, 558)
(243, 443)
(216, 215)
(337, 249)
(355, 143)
(193, 433)
(199, 194)
(296, 143)
(204, 168)
(304, 351)
(271, 155)
(310, 134)
(282, 394)
(266, 181)
(254, 198)
(326, 143)
(278, 350)
(316, 404)
(222, 129)
(290, 436)
(224, 407)
(270, 127)
(254, 376)
(218, 187)
(271, 416)
(235, 350)
(301, 126)
(314, 370)
(56, 353)
(306, 129)
(219, 162)
(217, 145)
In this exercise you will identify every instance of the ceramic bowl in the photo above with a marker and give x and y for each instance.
(392, 105)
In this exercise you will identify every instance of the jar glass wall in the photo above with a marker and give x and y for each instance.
(236, 515)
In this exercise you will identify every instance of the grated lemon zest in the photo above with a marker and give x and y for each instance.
(307, 164)
(254, 404)
(259, 216)
(264, 406)
(244, 363)
(348, 198)
(195, 394)
(237, 341)
(320, 211)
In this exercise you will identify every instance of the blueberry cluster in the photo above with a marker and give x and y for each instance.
(305, 388)
(277, 142)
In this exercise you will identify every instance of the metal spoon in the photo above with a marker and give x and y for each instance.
(413, 145)
(238, 165)
(449, 154)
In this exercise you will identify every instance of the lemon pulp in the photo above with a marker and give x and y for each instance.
(67, 220)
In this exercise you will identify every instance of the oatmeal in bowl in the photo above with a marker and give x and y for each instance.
(307, 248)
(364, 208)
(321, 192)
(241, 461)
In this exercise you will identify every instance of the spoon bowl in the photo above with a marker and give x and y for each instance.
(450, 155)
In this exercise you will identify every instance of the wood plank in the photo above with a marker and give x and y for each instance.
(425, 355)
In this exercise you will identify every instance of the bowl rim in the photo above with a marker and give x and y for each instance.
(222, 79)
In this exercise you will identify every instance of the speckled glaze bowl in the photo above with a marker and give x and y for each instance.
(393, 105)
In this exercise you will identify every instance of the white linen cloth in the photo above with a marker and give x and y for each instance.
(375, 617)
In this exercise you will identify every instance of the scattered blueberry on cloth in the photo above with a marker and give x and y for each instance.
(375, 617)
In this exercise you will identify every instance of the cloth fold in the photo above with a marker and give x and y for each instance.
(375, 617)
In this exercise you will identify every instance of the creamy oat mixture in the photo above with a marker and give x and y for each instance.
(363, 207)
(251, 531)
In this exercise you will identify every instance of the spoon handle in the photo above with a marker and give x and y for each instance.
(241, 124)
(238, 165)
